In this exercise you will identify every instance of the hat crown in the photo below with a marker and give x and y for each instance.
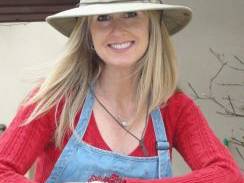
(120, 1)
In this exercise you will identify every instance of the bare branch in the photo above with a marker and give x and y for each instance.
(231, 104)
(239, 59)
(238, 151)
(217, 55)
(235, 68)
(231, 114)
(236, 141)
(219, 104)
(194, 91)
(215, 76)
(230, 84)
(232, 99)
(227, 112)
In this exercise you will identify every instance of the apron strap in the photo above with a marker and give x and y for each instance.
(85, 115)
(74, 139)
(162, 144)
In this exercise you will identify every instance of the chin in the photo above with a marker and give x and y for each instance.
(121, 63)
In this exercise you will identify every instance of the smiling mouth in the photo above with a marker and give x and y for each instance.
(121, 46)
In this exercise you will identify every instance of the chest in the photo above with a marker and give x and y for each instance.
(117, 138)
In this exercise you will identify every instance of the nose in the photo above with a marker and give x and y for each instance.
(117, 26)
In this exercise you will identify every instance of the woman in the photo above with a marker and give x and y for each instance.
(110, 110)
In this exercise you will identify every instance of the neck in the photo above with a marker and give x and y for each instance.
(117, 87)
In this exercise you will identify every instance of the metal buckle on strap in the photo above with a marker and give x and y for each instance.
(164, 145)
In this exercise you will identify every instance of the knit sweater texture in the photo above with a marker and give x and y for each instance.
(186, 127)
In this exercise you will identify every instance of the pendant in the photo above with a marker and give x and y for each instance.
(124, 123)
(143, 147)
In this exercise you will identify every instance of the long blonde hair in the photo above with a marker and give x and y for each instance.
(79, 66)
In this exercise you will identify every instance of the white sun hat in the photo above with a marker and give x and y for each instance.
(175, 17)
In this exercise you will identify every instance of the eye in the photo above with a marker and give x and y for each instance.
(102, 18)
(130, 14)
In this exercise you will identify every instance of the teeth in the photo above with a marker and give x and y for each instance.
(121, 46)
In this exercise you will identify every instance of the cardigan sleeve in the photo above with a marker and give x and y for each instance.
(21, 143)
(209, 160)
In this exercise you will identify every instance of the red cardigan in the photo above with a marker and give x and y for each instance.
(187, 131)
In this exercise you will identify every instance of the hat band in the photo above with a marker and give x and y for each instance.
(82, 2)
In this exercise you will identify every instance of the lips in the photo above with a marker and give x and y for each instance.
(121, 46)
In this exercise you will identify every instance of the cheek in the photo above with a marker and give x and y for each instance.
(96, 34)
(97, 38)
(143, 32)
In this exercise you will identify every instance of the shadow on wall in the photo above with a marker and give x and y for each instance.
(2, 128)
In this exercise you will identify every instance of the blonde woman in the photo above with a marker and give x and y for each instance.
(110, 110)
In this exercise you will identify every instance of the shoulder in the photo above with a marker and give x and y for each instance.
(177, 101)
(181, 111)
(27, 107)
(172, 112)
(179, 108)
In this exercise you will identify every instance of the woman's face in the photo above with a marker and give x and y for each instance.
(121, 39)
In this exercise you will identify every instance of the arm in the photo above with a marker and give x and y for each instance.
(21, 144)
(207, 157)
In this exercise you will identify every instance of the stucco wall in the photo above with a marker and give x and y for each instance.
(216, 24)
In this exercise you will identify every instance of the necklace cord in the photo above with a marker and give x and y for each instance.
(141, 141)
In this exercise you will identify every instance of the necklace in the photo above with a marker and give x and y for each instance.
(123, 124)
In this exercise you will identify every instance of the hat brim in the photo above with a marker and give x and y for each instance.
(175, 17)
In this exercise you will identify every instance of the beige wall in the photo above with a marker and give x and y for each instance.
(25, 51)
(217, 24)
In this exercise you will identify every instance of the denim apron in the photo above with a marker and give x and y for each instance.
(80, 161)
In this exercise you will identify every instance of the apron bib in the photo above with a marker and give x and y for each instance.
(79, 161)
